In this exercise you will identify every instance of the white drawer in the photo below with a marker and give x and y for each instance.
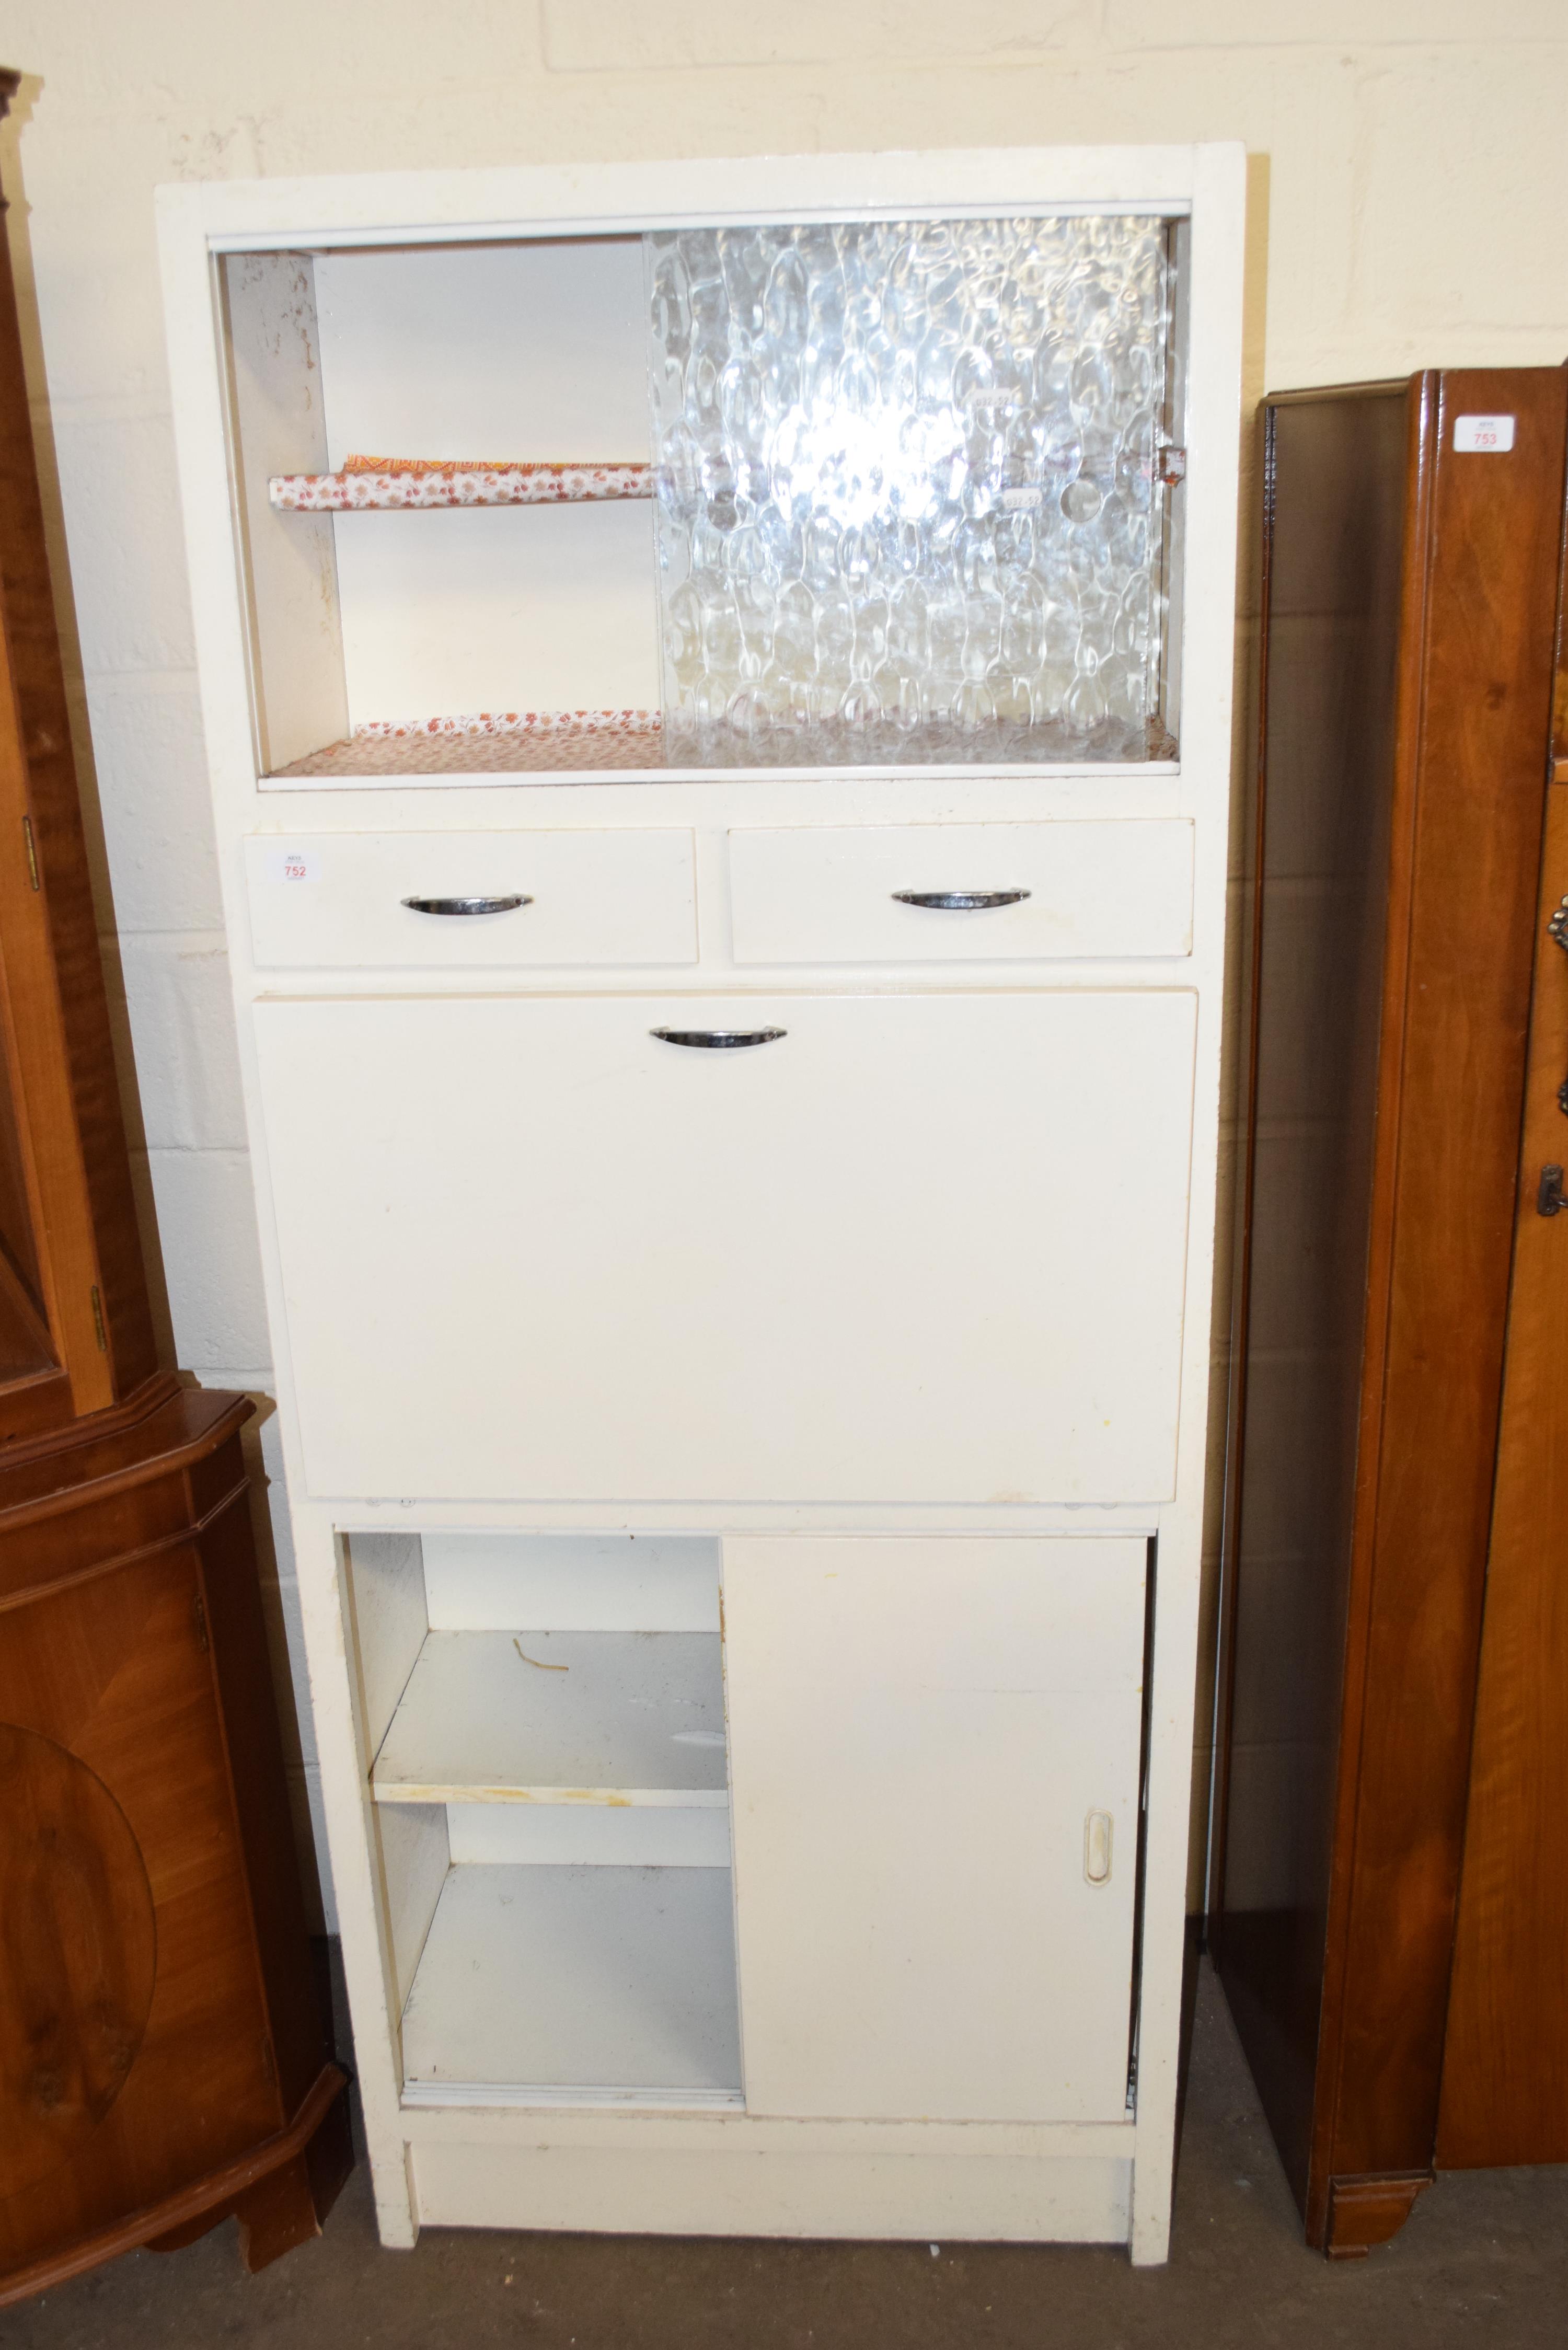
(1121, 887)
(337, 899)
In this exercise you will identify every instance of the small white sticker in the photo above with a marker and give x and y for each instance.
(1022, 501)
(293, 865)
(1483, 436)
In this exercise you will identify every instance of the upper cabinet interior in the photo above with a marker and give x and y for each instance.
(873, 493)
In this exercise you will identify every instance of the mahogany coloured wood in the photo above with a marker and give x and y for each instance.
(1505, 2068)
(75, 1330)
(161, 2018)
(1368, 1412)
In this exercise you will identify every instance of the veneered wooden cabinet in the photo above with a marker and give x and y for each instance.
(1387, 1881)
(162, 2058)
(164, 2053)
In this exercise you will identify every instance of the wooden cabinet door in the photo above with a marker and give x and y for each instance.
(134, 2050)
(934, 1749)
(1505, 2056)
(917, 1247)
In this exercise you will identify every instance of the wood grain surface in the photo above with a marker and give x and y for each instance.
(1369, 1431)
(1505, 2072)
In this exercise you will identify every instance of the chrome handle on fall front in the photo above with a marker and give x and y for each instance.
(958, 902)
(718, 1040)
(465, 905)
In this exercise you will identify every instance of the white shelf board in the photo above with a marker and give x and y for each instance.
(559, 1718)
(591, 1984)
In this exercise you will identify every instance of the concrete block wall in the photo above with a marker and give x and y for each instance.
(1408, 207)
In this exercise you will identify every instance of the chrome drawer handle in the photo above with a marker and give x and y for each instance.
(465, 905)
(718, 1040)
(959, 902)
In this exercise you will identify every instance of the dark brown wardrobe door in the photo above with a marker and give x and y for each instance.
(1505, 2065)
(133, 2051)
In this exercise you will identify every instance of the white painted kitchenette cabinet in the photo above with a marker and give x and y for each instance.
(717, 686)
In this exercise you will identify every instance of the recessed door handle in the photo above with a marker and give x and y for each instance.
(1098, 1830)
(465, 905)
(718, 1040)
(959, 902)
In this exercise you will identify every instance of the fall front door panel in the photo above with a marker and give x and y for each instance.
(929, 1247)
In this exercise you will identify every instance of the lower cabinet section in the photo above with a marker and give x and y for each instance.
(891, 1875)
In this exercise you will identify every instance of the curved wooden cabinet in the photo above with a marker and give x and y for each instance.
(162, 2060)
(165, 2057)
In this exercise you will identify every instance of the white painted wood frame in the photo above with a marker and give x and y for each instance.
(525, 2161)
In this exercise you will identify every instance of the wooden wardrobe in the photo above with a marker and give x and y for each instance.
(1389, 1898)
(164, 2053)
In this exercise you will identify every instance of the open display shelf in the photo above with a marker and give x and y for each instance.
(617, 1718)
(605, 1985)
(912, 499)
(551, 1777)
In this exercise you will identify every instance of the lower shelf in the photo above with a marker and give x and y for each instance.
(576, 1985)
(529, 743)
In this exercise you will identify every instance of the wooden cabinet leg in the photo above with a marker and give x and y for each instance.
(289, 2206)
(284, 2207)
(1366, 2212)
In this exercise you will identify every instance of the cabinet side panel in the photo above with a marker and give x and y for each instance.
(280, 427)
(301, 2045)
(1335, 488)
(1479, 773)
(92, 1285)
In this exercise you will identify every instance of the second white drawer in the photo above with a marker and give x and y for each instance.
(470, 901)
(920, 893)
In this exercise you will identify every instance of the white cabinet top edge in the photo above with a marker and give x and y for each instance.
(556, 199)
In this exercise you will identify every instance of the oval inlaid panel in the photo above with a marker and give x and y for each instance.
(79, 1952)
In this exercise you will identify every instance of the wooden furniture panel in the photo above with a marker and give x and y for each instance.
(164, 2049)
(964, 1781)
(76, 1332)
(633, 1268)
(338, 901)
(1505, 2064)
(830, 894)
(1385, 1119)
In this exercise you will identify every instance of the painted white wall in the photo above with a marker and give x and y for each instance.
(1407, 208)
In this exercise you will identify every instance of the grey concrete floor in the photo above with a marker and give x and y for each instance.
(1483, 2261)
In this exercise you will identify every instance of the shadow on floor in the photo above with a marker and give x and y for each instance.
(1484, 2260)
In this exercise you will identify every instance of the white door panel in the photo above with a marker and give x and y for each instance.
(921, 1731)
(921, 1248)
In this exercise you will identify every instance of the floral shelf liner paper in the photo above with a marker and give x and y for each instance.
(394, 482)
(515, 722)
